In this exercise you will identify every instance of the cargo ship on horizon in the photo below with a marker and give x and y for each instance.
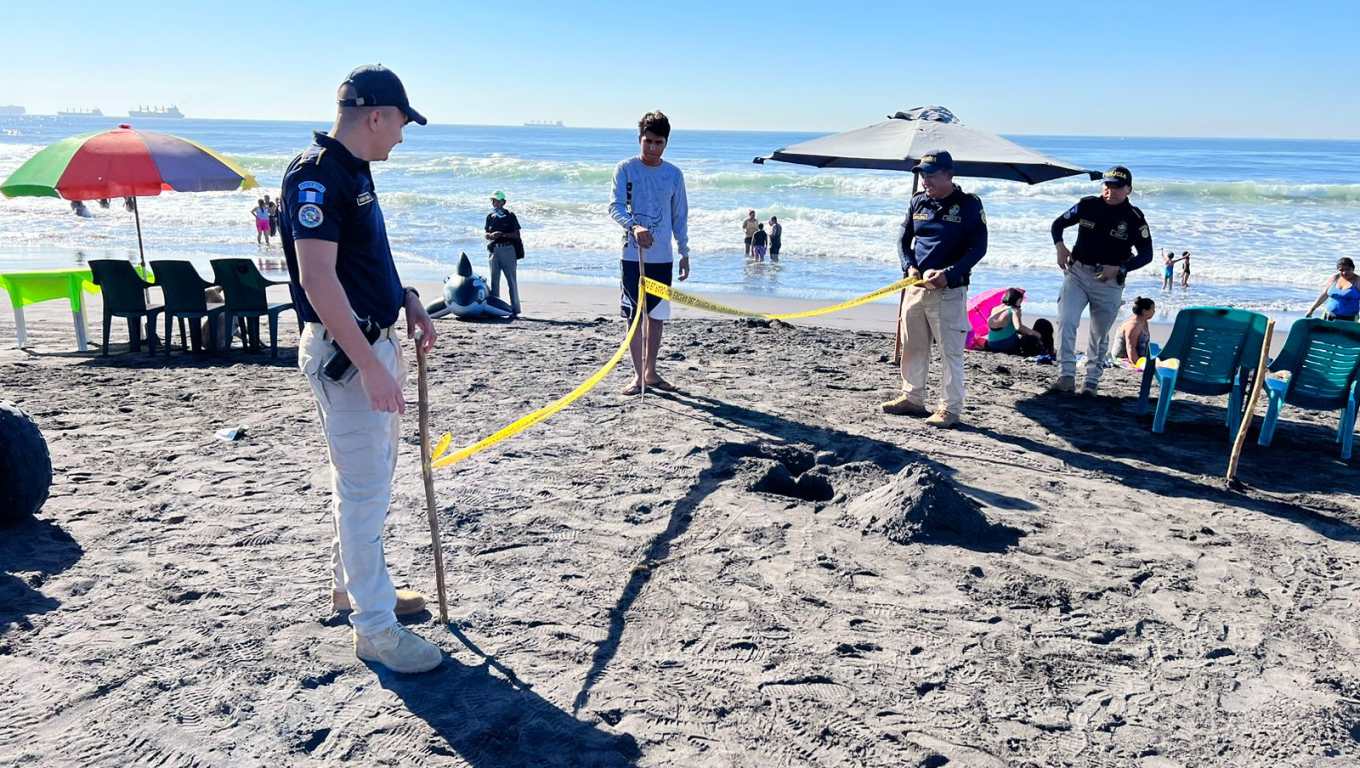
(96, 112)
(144, 111)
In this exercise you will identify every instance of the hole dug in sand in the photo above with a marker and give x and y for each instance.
(918, 505)
(788, 470)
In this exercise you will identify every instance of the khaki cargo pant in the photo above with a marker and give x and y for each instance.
(937, 316)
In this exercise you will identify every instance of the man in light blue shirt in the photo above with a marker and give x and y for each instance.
(649, 203)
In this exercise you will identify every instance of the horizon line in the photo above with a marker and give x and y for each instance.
(173, 121)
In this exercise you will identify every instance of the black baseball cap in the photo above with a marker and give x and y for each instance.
(938, 160)
(377, 86)
(1118, 175)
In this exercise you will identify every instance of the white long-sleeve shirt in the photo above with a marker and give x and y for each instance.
(658, 203)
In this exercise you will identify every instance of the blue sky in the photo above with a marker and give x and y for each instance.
(1108, 68)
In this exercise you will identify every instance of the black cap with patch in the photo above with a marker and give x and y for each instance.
(377, 86)
(1118, 176)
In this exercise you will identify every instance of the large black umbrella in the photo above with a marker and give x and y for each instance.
(896, 144)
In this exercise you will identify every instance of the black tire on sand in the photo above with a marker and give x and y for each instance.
(25, 466)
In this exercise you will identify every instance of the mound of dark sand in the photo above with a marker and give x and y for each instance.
(918, 505)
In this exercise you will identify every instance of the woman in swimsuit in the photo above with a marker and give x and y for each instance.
(1006, 331)
(1340, 294)
(1132, 344)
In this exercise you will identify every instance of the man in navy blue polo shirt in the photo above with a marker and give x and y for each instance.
(345, 286)
(943, 238)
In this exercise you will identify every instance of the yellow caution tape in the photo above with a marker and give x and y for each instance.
(528, 420)
(443, 446)
(663, 291)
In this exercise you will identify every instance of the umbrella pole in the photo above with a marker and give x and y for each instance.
(141, 255)
(137, 216)
(902, 297)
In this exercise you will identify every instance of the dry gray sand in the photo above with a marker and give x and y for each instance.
(758, 570)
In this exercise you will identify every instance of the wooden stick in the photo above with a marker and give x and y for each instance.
(1251, 404)
(643, 321)
(897, 338)
(902, 299)
(428, 474)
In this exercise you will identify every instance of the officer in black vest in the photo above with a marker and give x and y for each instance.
(347, 293)
(1112, 241)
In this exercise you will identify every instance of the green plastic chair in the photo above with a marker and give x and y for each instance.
(183, 289)
(247, 300)
(1322, 358)
(1210, 352)
(124, 295)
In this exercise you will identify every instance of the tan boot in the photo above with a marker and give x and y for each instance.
(943, 419)
(904, 406)
(408, 602)
(399, 649)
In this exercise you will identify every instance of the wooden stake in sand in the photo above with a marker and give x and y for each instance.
(1251, 405)
(902, 298)
(428, 474)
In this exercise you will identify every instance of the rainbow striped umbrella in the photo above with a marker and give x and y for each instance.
(124, 163)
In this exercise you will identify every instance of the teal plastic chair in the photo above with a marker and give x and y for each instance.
(124, 295)
(1322, 358)
(245, 290)
(1210, 352)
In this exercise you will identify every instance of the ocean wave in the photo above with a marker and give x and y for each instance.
(871, 184)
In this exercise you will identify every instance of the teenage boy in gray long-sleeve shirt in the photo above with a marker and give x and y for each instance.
(649, 203)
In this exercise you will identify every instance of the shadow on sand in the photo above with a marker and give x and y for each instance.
(488, 718)
(40, 549)
(721, 465)
(1103, 432)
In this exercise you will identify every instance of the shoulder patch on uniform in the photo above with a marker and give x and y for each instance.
(310, 216)
(1144, 233)
(311, 192)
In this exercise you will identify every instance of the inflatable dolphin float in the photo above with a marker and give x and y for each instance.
(466, 296)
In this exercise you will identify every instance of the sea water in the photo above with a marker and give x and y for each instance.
(1264, 219)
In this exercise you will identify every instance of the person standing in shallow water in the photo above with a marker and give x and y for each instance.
(759, 241)
(776, 238)
(261, 215)
(749, 226)
(649, 203)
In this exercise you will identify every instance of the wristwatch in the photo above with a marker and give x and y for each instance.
(410, 290)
